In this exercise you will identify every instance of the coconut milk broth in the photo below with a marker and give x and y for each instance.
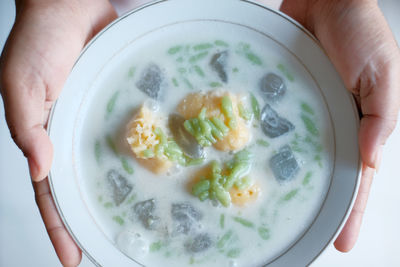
(286, 210)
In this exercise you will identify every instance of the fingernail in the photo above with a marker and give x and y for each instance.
(33, 169)
(378, 158)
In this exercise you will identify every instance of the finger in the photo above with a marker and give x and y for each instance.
(349, 234)
(65, 247)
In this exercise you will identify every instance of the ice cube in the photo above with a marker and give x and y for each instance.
(145, 213)
(132, 244)
(151, 81)
(218, 64)
(272, 87)
(120, 186)
(272, 124)
(183, 138)
(284, 164)
(185, 217)
(199, 243)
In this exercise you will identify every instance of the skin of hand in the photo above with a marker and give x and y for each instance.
(41, 49)
(359, 42)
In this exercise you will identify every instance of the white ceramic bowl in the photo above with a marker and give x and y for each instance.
(161, 18)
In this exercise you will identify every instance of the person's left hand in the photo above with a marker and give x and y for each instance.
(358, 40)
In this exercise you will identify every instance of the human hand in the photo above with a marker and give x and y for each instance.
(44, 43)
(357, 39)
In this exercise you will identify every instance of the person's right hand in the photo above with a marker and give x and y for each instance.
(44, 43)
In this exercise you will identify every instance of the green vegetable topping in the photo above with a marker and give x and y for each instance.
(255, 106)
(118, 219)
(243, 222)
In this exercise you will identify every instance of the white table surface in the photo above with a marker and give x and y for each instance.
(24, 241)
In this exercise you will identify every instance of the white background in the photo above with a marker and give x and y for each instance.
(24, 241)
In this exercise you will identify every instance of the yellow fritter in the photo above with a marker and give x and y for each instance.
(192, 104)
(143, 141)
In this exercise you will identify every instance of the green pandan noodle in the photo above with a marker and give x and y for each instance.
(218, 184)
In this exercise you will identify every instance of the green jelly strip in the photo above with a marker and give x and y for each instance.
(148, 153)
(215, 84)
(264, 233)
(290, 195)
(198, 57)
(182, 70)
(118, 219)
(108, 205)
(243, 222)
(235, 70)
(156, 246)
(199, 71)
(175, 82)
(255, 106)
(243, 183)
(244, 113)
(127, 167)
(131, 199)
(97, 151)
(310, 126)
(224, 239)
(200, 187)
(193, 162)
(221, 43)
(222, 221)
(285, 72)
(233, 253)
(227, 109)
(307, 178)
(179, 59)
(262, 142)
(239, 169)
(220, 125)
(223, 196)
(160, 134)
(188, 83)
(318, 159)
(111, 102)
(131, 72)
(243, 47)
(175, 49)
(111, 144)
(316, 145)
(204, 195)
(203, 46)
(306, 108)
(253, 58)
